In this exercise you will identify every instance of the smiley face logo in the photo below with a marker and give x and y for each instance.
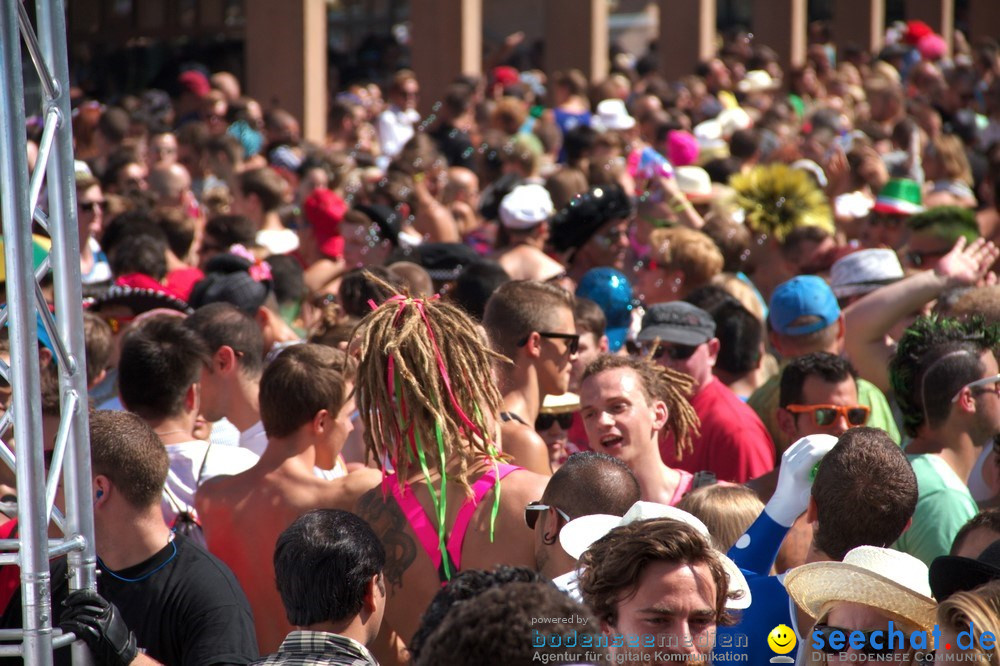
(781, 639)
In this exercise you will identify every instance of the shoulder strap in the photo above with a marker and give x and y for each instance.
(416, 517)
(175, 502)
(201, 470)
(480, 488)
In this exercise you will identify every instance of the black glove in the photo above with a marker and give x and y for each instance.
(98, 623)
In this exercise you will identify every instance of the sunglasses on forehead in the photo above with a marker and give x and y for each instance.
(545, 421)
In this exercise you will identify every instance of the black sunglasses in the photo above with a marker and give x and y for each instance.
(90, 206)
(873, 652)
(673, 352)
(532, 511)
(572, 340)
(545, 421)
(918, 259)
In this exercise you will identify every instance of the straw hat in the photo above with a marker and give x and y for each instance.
(579, 534)
(567, 403)
(695, 183)
(882, 578)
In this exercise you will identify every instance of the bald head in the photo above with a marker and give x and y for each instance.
(589, 483)
(463, 185)
(169, 183)
(227, 84)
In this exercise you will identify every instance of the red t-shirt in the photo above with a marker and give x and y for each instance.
(733, 443)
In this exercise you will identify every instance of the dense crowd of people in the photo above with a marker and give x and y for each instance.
(632, 370)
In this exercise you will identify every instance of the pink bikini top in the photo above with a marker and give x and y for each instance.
(424, 528)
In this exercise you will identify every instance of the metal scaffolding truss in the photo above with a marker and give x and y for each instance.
(20, 193)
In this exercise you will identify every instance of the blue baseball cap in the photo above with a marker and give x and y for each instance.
(803, 296)
(612, 291)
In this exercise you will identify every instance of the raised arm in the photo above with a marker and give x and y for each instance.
(869, 320)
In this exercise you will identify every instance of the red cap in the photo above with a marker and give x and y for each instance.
(324, 210)
(915, 30)
(194, 82)
(506, 76)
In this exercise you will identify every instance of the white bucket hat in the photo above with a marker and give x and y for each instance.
(526, 206)
(579, 534)
(612, 115)
(757, 80)
(864, 271)
(694, 182)
(885, 579)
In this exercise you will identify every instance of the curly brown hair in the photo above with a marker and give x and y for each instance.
(613, 565)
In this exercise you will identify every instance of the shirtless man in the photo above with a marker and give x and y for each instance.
(525, 215)
(625, 402)
(435, 400)
(532, 324)
(305, 406)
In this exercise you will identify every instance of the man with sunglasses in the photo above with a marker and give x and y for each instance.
(934, 232)
(587, 484)
(732, 442)
(594, 230)
(819, 396)
(804, 318)
(532, 324)
(947, 384)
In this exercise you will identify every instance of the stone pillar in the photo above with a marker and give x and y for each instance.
(860, 22)
(446, 41)
(984, 19)
(938, 14)
(286, 59)
(576, 36)
(781, 24)
(687, 35)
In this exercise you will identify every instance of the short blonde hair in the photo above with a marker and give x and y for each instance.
(742, 292)
(692, 252)
(950, 152)
(727, 511)
(981, 607)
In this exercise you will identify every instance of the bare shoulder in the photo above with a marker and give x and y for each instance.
(525, 485)
(526, 447)
(218, 489)
(349, 489)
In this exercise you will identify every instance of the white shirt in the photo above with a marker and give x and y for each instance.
(395, 128)
(224, 433)
(254, 439)
(189, 468)
(278, 241)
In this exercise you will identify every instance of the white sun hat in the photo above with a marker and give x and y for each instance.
(526, 206)
(884, 579)
(579, 534)
(612, 115)
(864, 271)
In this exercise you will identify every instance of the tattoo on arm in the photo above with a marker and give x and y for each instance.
(389, 524)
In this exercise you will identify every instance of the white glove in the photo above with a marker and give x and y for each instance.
(791, 495)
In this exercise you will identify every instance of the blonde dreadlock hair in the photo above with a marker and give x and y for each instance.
(411, 352)
(659, 383)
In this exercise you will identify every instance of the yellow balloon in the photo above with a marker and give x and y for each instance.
(781, 639)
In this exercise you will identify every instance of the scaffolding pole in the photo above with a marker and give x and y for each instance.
(25, 310)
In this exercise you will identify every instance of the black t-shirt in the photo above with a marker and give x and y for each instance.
(190, 610)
